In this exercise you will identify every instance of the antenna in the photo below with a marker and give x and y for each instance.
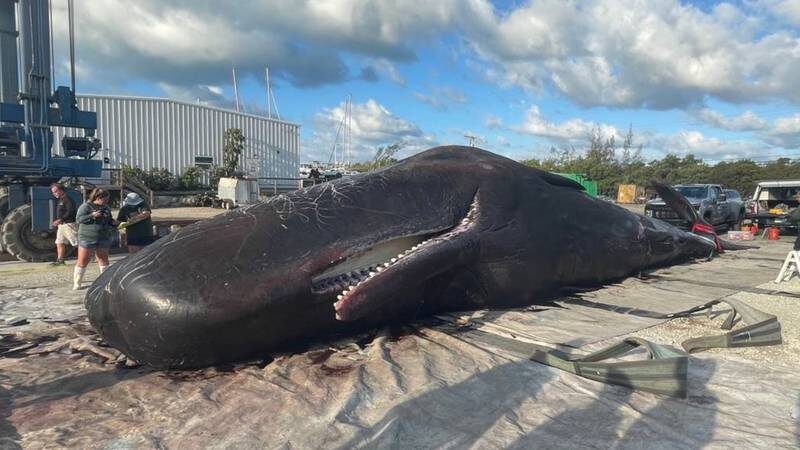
(269, 91)
(349, 131)
(471, 140)
(270, 95)
(236, 89)
(274, 103)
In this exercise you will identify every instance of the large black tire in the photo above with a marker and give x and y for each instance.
(3, 207)
(3, 214)
(21, 242)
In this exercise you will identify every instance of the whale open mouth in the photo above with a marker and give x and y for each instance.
(363, 281)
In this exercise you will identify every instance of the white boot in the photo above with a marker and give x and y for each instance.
(77, 277)
(103, 268)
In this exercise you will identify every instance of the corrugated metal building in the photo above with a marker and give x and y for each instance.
(156, 132)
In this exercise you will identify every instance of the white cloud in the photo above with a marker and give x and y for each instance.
(572, 130)
(387, 69)
(196, 42)
(747, 121)
(691, 141)
(641, 53)
(502, 141)
(784, 132)
(493, 122)
(441, 97)
(627, 53)
(372, 125)
(785, 10)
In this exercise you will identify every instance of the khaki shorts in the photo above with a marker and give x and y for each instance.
(67, 233)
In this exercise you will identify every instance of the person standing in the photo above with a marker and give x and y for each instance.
(95, 225)
(66, 228)
(794, 217)
(135, 214)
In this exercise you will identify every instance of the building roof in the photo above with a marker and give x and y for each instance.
(196, 105)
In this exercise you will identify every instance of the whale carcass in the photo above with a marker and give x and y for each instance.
(452, 228)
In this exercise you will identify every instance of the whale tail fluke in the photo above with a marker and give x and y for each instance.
(684, 209)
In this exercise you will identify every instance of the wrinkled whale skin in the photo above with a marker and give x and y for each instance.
(491, 233)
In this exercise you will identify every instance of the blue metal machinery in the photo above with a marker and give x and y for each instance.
(28, 110)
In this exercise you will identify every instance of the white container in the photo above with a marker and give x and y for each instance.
(238, 191)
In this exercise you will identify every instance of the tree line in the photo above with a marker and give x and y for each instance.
(612, 164)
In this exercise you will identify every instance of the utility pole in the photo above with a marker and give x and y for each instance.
(471, 140)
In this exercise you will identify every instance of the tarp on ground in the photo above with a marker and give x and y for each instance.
(428, 385)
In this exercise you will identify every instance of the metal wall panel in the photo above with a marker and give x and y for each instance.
(152, 132)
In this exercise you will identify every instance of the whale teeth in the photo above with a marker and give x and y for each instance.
(400, 255)
(340, 296)
(386, 264)
(372, 274)
(394, 260)
(379, 269)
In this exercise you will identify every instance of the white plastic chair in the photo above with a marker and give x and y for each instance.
(790, 266)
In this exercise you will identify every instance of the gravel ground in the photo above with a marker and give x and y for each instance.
(187, 213)
(787, 309)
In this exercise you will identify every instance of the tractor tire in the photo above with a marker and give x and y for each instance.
(3, 214)
(3, 207)
(21, 242)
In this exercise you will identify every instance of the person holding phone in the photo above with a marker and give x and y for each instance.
(95, 226)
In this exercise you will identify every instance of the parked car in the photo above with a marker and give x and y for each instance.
(736, 206)
(709, 200)
(771, 204)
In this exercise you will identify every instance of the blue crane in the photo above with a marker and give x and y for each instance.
(28, 111)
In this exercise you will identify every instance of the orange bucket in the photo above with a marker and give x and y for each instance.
(773, 234)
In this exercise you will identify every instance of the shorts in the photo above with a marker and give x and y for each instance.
(102, 243)
(67, 233)
(140, 241)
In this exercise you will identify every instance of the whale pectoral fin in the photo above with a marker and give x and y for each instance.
(558, 180)
(685, 211)
(678, 203)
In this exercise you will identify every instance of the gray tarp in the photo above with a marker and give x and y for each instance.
(421, 386)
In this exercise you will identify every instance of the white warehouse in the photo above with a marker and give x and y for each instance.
(149, 132)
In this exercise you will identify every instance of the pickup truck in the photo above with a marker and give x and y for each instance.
(772, 202)
(709, 200)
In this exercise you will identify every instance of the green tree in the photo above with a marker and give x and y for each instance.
(384, 156)
(190, 180)
(231, 151)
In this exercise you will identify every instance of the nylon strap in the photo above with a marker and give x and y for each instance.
(664, 372)
(760, 328)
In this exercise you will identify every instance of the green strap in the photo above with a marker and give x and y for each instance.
(664, 372)
(761, 328)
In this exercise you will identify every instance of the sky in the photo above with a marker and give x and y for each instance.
(720, 80)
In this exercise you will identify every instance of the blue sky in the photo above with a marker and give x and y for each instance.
(715, 79)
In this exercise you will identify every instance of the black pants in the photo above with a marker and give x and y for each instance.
(797, 241)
